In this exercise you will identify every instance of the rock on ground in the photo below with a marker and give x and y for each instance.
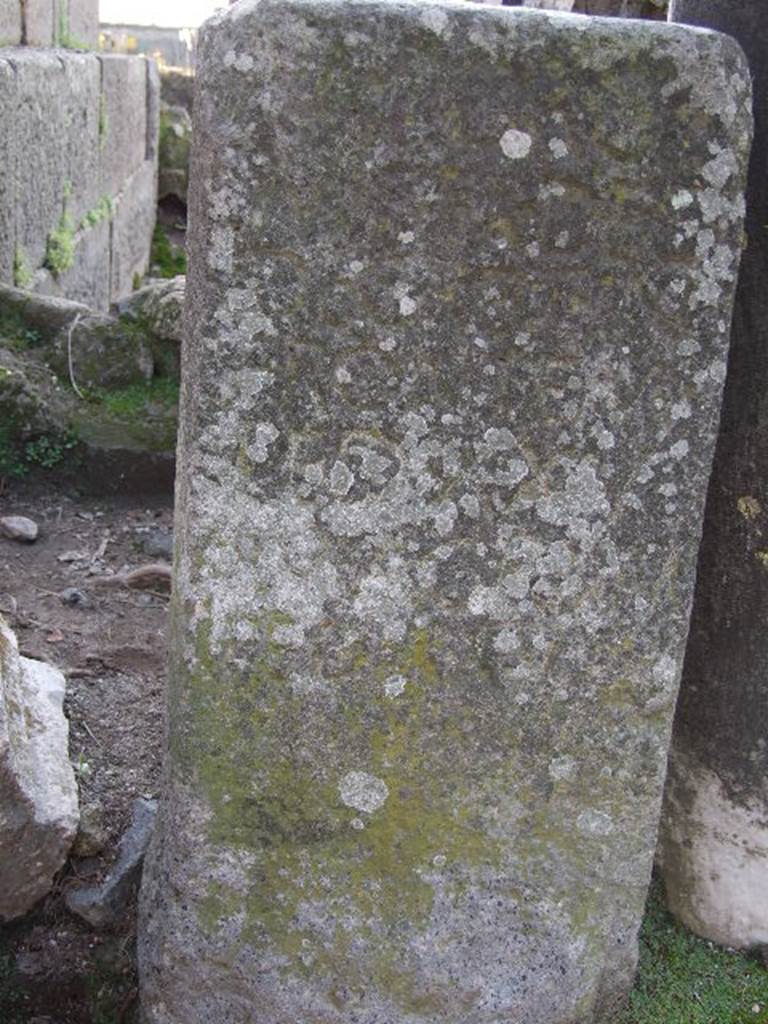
(19, 528)
(714, 836)
(457, 281)
(104, 906)
(38, 792)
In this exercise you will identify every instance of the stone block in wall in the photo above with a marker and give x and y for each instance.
(10, 23)
(153, 109)
(76, 23)
(453, 367)
(7, 193)
(88, 280)
(39, 22)
(132, 225)
(77, 129)
(124, 118)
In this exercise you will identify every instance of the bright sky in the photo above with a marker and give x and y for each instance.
(173, 13)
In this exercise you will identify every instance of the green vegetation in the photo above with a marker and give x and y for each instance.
(101, 211)
(103, 121)
(22, 275)
(15, 334)
(63, 35)
(140, 416)
(46, 451)
(685, 980)
(167, 259)
(133, 400)
(60, 250)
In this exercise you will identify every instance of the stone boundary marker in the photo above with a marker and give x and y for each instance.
(78, 138)
(460, 286)
(714, 836)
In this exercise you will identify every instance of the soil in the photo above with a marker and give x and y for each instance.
(110, 644)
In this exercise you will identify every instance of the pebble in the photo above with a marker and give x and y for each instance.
(159, 544)
(74, 597)
(19, 528)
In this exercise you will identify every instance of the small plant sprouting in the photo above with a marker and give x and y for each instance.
(22, 275)
(60, 250)
(101, 211)
(48, 451)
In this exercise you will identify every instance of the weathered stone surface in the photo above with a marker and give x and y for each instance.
(132, 226)
(19, 528)
(456, 308)
(125, 114)
(153, 109)
(77, 23)
(714, 836)
(76, 139)
(105, 906)
(175, 142)
(612, 8)
(10, 23)
(7, 192)
(38, 792)
(158, 308)
(105, 353)
(39, 22)
(177, 88)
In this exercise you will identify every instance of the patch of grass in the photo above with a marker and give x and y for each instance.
(133, 400)
(685, 980)
(167, 259)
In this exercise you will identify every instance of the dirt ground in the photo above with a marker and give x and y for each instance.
(109, 640)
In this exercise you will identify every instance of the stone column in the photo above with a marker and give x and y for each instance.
(714, 839)
(457, 329)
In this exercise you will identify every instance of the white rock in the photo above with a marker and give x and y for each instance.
(19, 528)
(38, 793)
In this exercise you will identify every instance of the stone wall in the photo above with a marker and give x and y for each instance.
(67, 23)
(78, 133)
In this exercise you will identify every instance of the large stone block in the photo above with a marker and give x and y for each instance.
(714, 835)
(38, 792)
(124, 118)
(77, 23)
(10, 23)
(456, 337)
(39, 22)
(53, 155)
(132, 226)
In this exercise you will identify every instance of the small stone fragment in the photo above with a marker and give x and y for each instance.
(19, 528)
(102, 906)
(159, 544)
(74, 598)
(91, 835)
